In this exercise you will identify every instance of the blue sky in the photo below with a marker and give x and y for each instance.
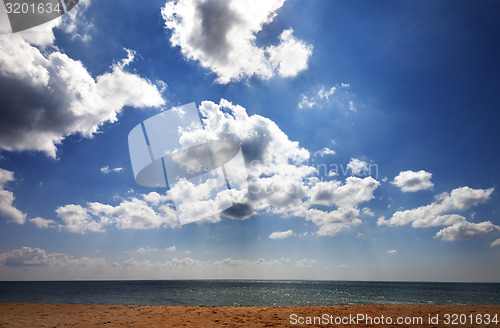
(407, 89)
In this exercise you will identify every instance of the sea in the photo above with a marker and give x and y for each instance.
(248, 292)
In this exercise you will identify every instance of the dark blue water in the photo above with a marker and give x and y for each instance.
(248, 292)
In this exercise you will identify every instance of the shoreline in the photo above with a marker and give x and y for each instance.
(70, 315)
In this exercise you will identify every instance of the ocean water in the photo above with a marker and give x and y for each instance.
(248, 292)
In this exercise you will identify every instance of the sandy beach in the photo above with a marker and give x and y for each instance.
(63, 315)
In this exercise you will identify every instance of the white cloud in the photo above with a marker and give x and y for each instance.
(281, 234)
(357, 167)
(436, 214)
(410, 181)
(392, 251)
(132, 213)
(7, 209)
(467, 230)
(338, 96)
(305, 263)
(331, 223)
(367, 211)
(290, 56)
(148, 249)
(73, 22)
(36, 257)
(76, 219)
(324, 152)
(76, 24)
(306, 102)
(353, 192)
(325, 94)
(221, 36)
(273, 162)
(31, 263)
(495, 243)
(43, 223)
(47, 96)
(107, 170)
(331, 173)
(345, 197)
(280, 181)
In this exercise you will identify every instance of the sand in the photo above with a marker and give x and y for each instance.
(62, 315)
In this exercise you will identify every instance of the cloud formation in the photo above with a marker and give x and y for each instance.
(467, 230)
(280, 182)
(357, 167)
(46, 98)
(151, 211)
(438, 214)
(221, 36)
(28, 262)
(43, 223)
(305, 263)
(107, 170)
(281, 234)
(411, 181)
(36, 257)
(338, 96)
(325, 152)
(7, 209)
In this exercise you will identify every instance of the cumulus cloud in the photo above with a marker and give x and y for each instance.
(148, 212)
(435, 213)
(438, 214)
(221, 36)
(281, 234)
(338, 96)
(324, 152)
(280, 181)
(43, 223)
(47, 96)
(368, 212)
(346, 197)
(331, 223)
(495, 243)
(353, 192)
(392, 251)
(274, 163)
(467, 230)
(36, 257)
(410, 181)
(7, 209)
(357, 167)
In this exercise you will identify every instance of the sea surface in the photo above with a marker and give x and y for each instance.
(248, 292)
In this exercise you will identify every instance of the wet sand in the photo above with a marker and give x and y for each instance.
(62, 315)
